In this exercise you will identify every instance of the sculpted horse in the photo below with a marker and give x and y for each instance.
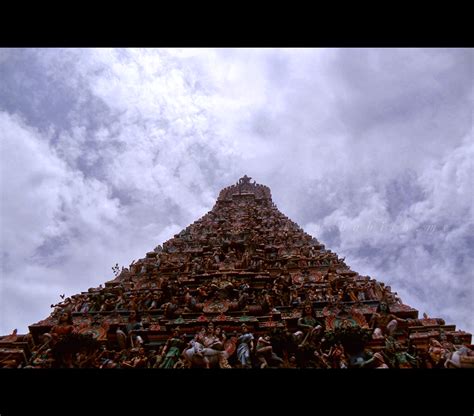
(198, 356)
(461, 358)
(297, 344)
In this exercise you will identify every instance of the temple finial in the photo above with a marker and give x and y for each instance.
(243, 187)
(244, 179)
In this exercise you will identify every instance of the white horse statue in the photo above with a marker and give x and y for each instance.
(200, 356)
(461, 358)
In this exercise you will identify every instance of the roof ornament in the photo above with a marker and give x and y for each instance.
(244, 180)
(245, 187)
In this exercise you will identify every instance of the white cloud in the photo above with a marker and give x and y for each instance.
(106, 153)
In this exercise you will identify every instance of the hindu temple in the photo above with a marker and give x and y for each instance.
(241, 287)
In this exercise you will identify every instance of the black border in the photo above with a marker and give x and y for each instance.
(370, 391)
(273, 25)
(223, 391)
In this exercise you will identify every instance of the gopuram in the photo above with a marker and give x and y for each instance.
(242, 287)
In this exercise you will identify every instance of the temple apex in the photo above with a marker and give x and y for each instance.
(246, 273)
(244, 188)
(244, 179)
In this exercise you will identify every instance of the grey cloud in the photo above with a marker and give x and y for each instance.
(130, 146)
(46, 97)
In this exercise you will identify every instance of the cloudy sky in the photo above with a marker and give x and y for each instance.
(107, 153)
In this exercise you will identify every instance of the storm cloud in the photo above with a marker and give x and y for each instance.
(107, 153)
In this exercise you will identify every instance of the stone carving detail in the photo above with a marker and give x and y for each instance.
(245, 187)
(243, 286)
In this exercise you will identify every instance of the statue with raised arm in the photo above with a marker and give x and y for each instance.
(384, 322)
(244, 347)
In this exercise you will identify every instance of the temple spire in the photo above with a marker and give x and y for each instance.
(243, 187)
(243, 268)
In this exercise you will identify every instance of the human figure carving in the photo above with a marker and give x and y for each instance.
(126, 336)
(244, 347)
(384, 322)
(308, 324)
